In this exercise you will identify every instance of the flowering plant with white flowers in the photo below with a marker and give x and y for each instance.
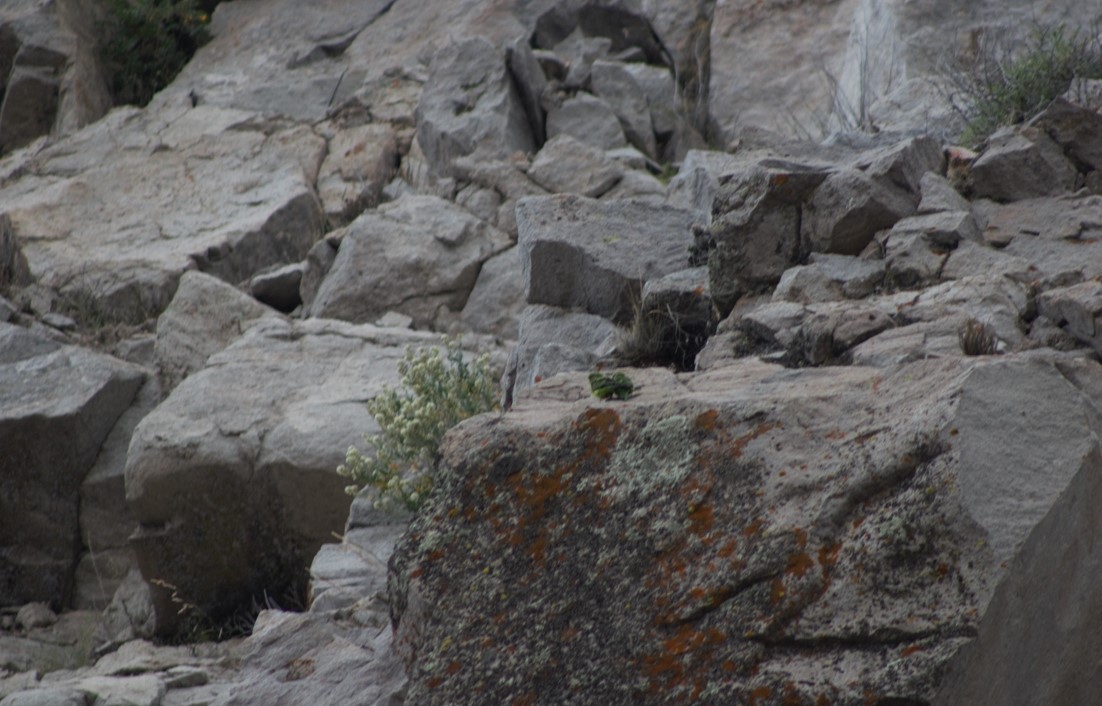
(441, 390)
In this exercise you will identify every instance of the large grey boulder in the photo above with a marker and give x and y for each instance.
(566, 165)
(552, 340)
(1054, 235)
(1077, 129)
(613, 83)
(497, 299)
(1022, 164)
(596, 255)
(588, 119)
(359, 162)
(413, 256)
(897, 524)
(204, 316)
(757, 228)
(470, 106)
(57, 405)
(122, 208)
(849, 208)
(232, 477)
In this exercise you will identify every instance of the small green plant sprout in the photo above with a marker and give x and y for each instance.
(440, 388)
(977, 338)
(617, 385)
(148, 42)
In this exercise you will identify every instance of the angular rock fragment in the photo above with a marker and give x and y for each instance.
(596, 255)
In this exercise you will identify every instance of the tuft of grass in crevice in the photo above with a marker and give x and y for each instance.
(977, 338)
(998, 87)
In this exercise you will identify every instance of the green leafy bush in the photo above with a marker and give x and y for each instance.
(441, 389)
(999, 88)
(148, 43)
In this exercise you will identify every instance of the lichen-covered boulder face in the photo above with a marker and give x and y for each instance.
(757, 535)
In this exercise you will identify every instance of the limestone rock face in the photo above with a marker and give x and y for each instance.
(897, 524)
(231, 478)
(57, 405)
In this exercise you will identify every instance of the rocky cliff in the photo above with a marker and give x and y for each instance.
(859, 462)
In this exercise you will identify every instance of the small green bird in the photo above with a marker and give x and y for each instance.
(616, 385)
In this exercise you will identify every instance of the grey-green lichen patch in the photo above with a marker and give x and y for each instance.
(660, 456)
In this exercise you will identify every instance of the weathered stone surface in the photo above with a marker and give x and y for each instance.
(297, 658)
(232, 476)
(566, 165)
(358, 164)
(1076, 309)
(57, 405)
(343, 574)
(497, 299)
(205, 315)
(904, 164)
(1054, 235)
(917, 248)
(1021, 164)
(588, 119)
(106, 522)
(848, 209)
(939, 195)
(279, 288)
(531, 83)
(551, 341)
(1077, 129)
(509, 179)
(756, 228)
(50, 75)
(412, 256)
(577, 252)
(883, 521)
(613, 83)
(829, 277)
(470, 107)
(123, 207)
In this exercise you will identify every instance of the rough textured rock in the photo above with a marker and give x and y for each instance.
(614, 84)
(358, 164)
(232, 476)
(848, 209)
(829, 277)
(279, 288)
(757, 218)
(939, 195)
(470, 107)
(1076, 309)
(205, 315)
(887, 535)
(552, 341)
(1055, 235)
(588, 119)
(567, 166)
(497, 299)
(50, 77)
(1021, 164)
(1077, 129)
(123, 207)
(412, 256)
(106, 522)
(57, 405)
(596, 255)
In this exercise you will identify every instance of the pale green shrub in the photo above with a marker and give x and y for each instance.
(441, 389)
